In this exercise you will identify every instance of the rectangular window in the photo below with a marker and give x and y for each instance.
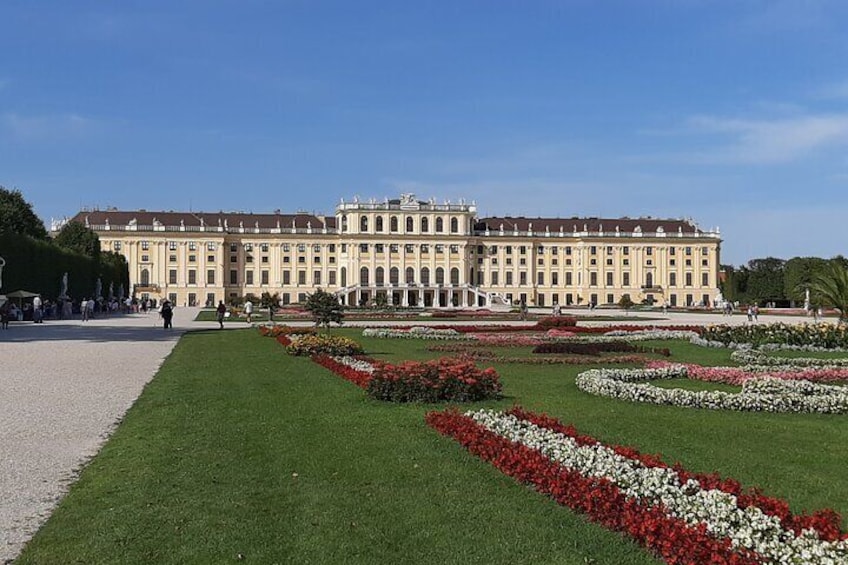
(425, 249)
(704, 262)
(540, 250)
(609, 279)
(286, 298)
(705, 251)
(593, 278)
(116, 246)
(192, 258)
(649, 251)
(409, 248)
(568, 279)
(210, 276)
(363, 248)
(316, 277)
(672, 250)
(610, 299)
(540, 279)
(541, 261)
(192, 276)
(672, 279)
(609, 249)
(609, 262)
(249, 277)
(509, 278)
(672, 262)
(172, 276)
(625, 279)
(494, 277)
(145, 245)
(301, 248)
(301, 260)
(688, 251)
(332, 248)
(593, 250)
(286, 277)
(301, 277)
(522, 250)
(248, 247)
(263, 277)
(265, 259)
(286, 259)
(378, 248)
(522, 278)
(210, 246)
(233, 276)
(554, 279)
(145, 258)
(393, 247)
(210, 258)
(332, 276)
(192, 246)
(454, 248)
(705, 279)
(509, 249)
(493, 249)
(233, 247)
(568, 250)
(172, 245)
(688, 279)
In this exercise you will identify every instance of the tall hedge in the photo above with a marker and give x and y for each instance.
(38, 266)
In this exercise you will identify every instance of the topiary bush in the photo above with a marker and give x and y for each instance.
(556, 322)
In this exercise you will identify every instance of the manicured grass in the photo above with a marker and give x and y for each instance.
(237, 448)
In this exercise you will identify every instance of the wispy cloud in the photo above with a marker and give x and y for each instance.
(47, 127)
(768, 141)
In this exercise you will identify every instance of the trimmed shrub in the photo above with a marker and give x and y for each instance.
(556, 322)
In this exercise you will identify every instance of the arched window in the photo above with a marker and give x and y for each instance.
(454, 225)
(393, 224)
(410, 224)
(363, 224)
(145, 277)
(344, 222)
(440, 225)
(454, 276)
(379, 224)
(344, 276)
(410, 275)
(394, 275)
(363, 276)
(425, 225)
(425, 275)
(649, 279)
(379, 276)
(440, 275)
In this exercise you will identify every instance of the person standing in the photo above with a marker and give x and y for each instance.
(220, 313)
(5, 314)
(37, 312)
(167, 314)
(248, 310)
(84, 309)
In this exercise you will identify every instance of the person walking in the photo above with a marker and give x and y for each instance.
(5, 314)
(220, 313)
(167, 314)
(37, 312)
(84, 309)
(248, 310)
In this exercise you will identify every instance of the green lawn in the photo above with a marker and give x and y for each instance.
(236, 448)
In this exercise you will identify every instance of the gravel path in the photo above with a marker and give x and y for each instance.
(63, 387)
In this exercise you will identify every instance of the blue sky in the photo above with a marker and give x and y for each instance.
(734, 113)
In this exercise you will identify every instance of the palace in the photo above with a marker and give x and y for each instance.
(411, 253)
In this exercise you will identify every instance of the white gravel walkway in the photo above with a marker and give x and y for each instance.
(63, 387)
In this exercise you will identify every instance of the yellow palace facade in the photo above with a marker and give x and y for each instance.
(411, 253)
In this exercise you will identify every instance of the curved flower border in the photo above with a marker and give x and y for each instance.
(683, 517)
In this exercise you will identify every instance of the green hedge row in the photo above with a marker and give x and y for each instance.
(38, 266)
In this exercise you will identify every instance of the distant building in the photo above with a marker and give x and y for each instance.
(414, 253)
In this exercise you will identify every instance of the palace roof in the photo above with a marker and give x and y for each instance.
(582, 225)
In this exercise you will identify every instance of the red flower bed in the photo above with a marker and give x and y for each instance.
(473, 329)
(446, 379)
(604, 503)
(277, 330)
(826, 522)
(595, 349)
(359, 378)
(632, 328)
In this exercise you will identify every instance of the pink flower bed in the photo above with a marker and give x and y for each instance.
(738, 375)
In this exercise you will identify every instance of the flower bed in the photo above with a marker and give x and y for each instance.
(446, 379)
(415, 332)
(828, 336)
(625, 329)
(278, 330)
(595, 349)
(753, 357)
(759, 394)
(680, 516)
(357, 371)
(556, 322)
(739, 375)
(321, 344)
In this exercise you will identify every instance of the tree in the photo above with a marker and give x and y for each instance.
(269, 301)
(625, 303)
(76, 237)
(831, 288)
(18, 217)
(798, 274)
(325, 308)
(765, 279)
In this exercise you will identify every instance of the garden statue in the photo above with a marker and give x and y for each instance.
(64, 292)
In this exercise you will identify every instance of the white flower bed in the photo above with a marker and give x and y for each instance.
(645, 335)
(762, 394)
(418, 332)
(757, 357)
(748, 528)
(354, 363)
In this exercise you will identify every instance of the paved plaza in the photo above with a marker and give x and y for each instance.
(64, 385)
